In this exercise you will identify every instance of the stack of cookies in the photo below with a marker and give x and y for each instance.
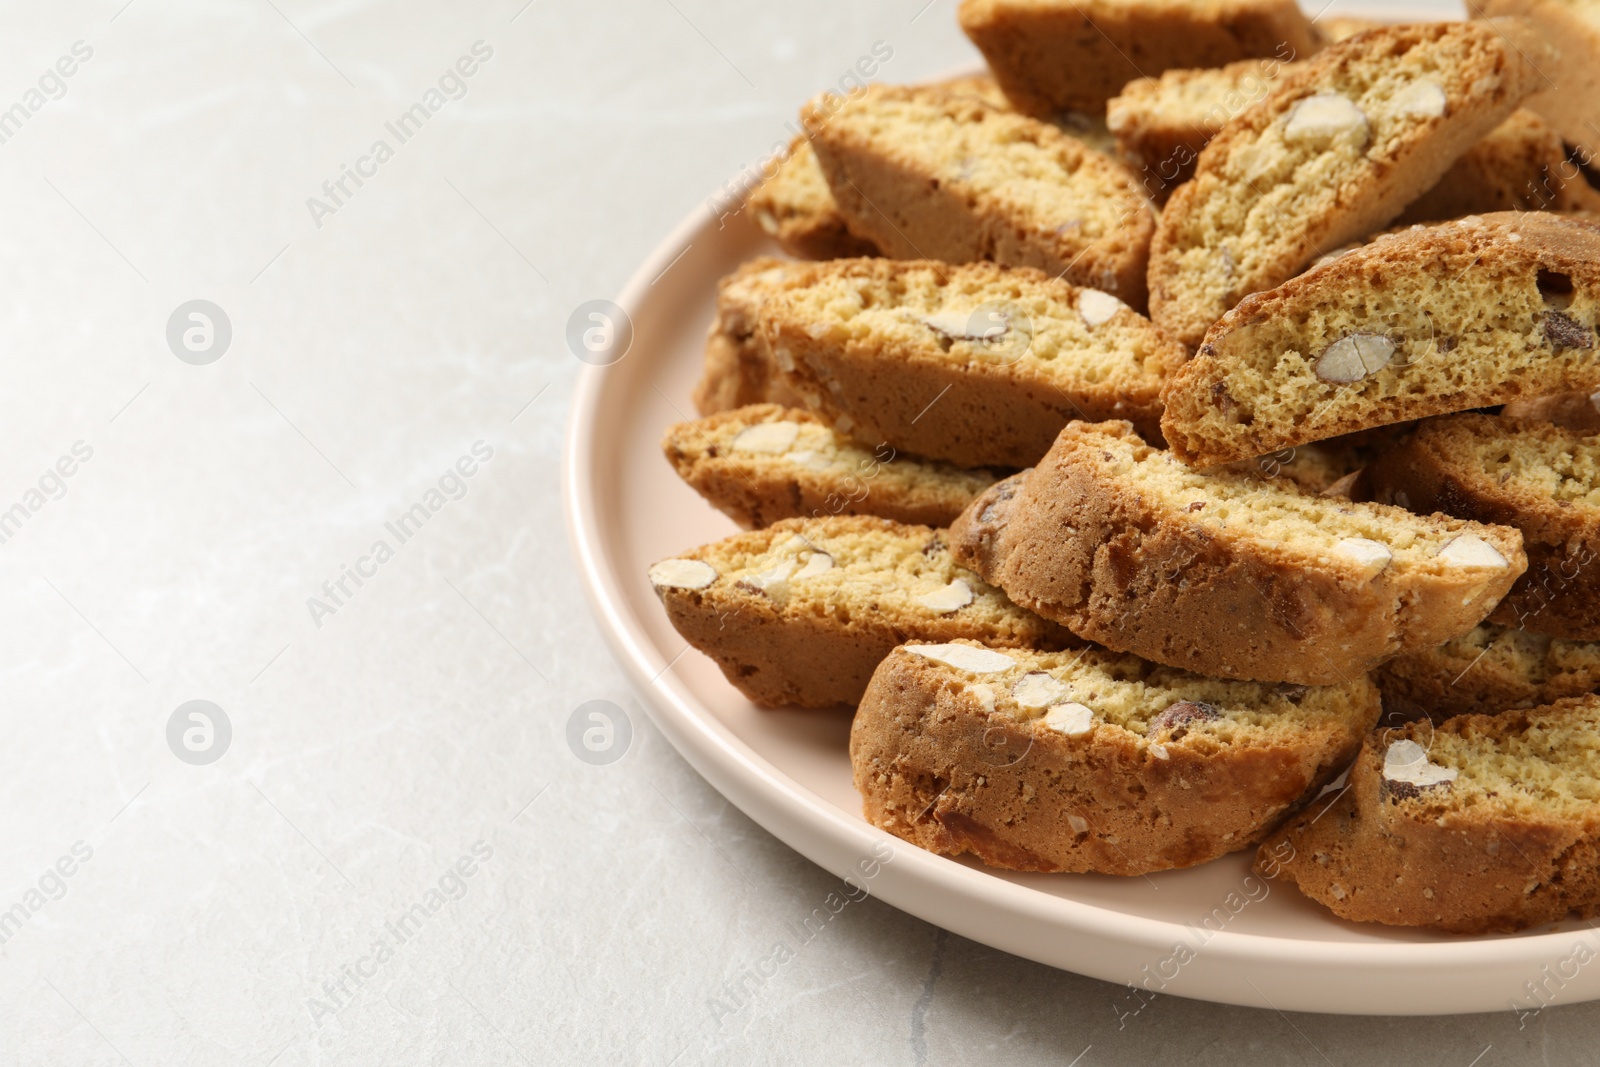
(1184, 439)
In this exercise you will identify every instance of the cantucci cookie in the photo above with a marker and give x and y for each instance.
(1228, 574)
(1163, 124)
(930, 175)
(1057, 55)
(1569, 93)
(1090, 761)
(796, 208)
(736, 371)
(1488, 670)
(1483, 823)
(1430, 321)
(1340, 149)
(764, 463)
(800, 613)
(979, 365)
(1521, 166)
(1575, 411)
(1536, 476)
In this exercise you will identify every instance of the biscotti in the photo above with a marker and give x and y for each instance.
(933, 175)
(1488, 670)
(736, 371)
(1058, 55)
(1470, 314)
(1163, 124)
(1521, 166)
(1228, 574)
(1483, 823)
(802, 612)
(1569, 93)
(1089, 761)
(1536, 476)
(796, 208)
(1340, 149)
(764, 463)
(1576, 411)
(979, 365)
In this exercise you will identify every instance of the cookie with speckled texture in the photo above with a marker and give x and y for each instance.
(1480, 824)
(1337, 151)
(1488, 670)
(1055, 55)
(1226, 573)
(1090, 761)
(931, 175)
(1536, 476)
(978, 365)
(800, 613)
(1429, 321)
(764, 463)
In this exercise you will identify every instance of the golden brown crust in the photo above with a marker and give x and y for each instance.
(1493, 668)
(1409, 857)
(953, 772)
(1479, 312)
(1548, 486)
(1052, 57)
(814, 642)
(816, 473)
(1098, 543)
(1271, 194)
(898, 161)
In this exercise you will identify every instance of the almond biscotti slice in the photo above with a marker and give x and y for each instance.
(1470, 314)
(1163, 124)
(1521, 166)
(1576, 411)
(1340, 149)
(737, 371)
(1569, 91)
(1225, 573)
(1488, 670)
(1536, 476)
(979, 365)
(796, 208)
(1056, 55)
(930, 175)
(763, 463)
(1090, 761)
(802, 612)
(1483, 823)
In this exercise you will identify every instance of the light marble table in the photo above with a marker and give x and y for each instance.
(397, 858)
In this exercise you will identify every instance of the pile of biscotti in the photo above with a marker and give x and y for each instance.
(1186, 439)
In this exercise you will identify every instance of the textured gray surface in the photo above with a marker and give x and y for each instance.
(621, 904)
